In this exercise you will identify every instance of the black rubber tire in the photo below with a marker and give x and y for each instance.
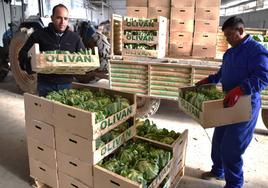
(26, 82)
(103, 45)
(264, 115)
(4, 67)
(147, 107)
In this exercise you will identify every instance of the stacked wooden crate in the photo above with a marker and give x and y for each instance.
(144, 37)
(212, 113)
(137, 9)
(41, 140)
(62, 139)
(158, 8)
(206, 28)
(181, 28)
(173, 170)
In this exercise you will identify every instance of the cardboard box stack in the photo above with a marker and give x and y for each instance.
(137, 8)
(41, 140)
(206, 28)
(181, 28)
(62, 139)
(158, 8)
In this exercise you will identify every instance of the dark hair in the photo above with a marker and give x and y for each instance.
(233, 22)
(58, 6)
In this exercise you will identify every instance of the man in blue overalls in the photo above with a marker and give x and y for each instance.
(244, 71)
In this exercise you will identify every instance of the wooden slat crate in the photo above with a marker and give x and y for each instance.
(69, 63)
(116, 35)
(158, 25)
(154, 79)
(81, 122)
(178, 148)
(85, 150)
(106, 178)
(213, 113)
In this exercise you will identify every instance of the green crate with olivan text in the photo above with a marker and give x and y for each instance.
(131, 24)
(105, 178)
(78, 121)
(85, 150)
(213, 113)
(63, 63)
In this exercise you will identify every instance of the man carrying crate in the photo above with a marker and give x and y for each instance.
(56, 36)
(244, 71)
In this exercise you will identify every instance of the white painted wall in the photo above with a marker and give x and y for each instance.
(118, 6)
(257, 19)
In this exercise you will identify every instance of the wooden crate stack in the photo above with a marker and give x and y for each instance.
(41, 140)
(136, 31)
(62, 139)
(206, 28)
(181, 28)
(174, 170)
(158, 8)
(137, 8)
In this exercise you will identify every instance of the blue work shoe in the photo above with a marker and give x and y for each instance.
(210, 176)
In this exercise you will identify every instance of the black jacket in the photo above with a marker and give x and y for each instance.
(48, 40)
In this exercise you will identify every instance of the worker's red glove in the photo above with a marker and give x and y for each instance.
(202, 82)
(232, 97)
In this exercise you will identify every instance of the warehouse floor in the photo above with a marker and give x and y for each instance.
(14, 169)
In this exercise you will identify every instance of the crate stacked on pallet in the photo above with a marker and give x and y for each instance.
(137, 8)
(181, 28)
(40, 134)
(110, 173)
(158, 8)
(144, 37)
(206, 28)
(74, 136)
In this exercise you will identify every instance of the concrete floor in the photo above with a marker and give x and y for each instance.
(14, 168)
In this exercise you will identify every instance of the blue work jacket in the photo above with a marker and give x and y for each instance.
(245, 65)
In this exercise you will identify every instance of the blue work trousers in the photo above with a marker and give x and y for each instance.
(228, 145)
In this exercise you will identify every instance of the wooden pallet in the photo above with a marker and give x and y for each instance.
(156, 79)
(38, 184)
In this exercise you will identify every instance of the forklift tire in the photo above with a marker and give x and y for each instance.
(264, 114)
(147, 107)
(26, 82)
(103, 45)
(4, 67)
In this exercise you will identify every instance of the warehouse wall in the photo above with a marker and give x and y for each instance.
(118, 7)
(2, 22)
(253, 19)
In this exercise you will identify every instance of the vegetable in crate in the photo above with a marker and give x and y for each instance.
(203, 94)
(104, 139)
(99, 102)
(135, 46)
(149, 130)
(137, 161)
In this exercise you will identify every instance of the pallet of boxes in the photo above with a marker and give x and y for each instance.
(86, 137)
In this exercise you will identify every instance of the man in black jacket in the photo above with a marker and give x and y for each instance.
(56, 36)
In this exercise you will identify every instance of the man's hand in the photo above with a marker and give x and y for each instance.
(232, 97)
(202, 82)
